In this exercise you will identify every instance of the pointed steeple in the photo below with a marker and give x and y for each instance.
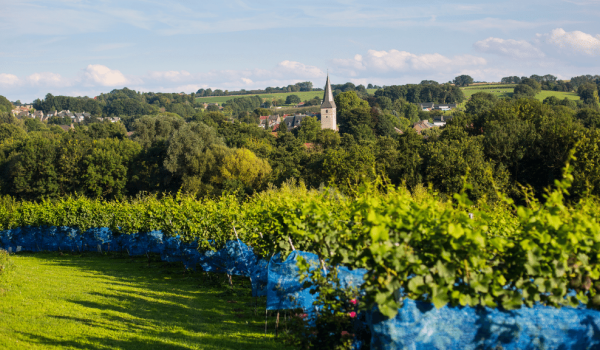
(328, 101)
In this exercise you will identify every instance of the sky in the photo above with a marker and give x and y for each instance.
(84, 48)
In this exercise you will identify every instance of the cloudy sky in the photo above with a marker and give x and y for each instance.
(81, 47)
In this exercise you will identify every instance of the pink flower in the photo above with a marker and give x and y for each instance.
(353, 302)
(352, 314)
(346, 334)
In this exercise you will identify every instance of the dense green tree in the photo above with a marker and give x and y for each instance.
(449, 163)
(150, 129)
(8, 131)
(292, 99)
(106, 130)
(523, 91)
(354, 115)
(5, 105)
(309, 129)
(384, 102)
(589, 94)
(589, 117)
(463, 80)
(480, 102)
(31, 169)
(106, 167)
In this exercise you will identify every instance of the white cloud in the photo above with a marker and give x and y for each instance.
(96, 78)
(8, 79)
(46, 78)
(174, 76)
(511, 48)
(300, 69)
(573, 42)
(403, 61)
(97, 74)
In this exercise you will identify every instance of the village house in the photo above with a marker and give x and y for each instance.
(422, 125)
(431, 106)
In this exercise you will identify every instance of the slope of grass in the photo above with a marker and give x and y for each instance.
(497, 90)
(507, 90)
(95, 301)
(304, 95)
(559, 94)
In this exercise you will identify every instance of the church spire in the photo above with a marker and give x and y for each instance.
(328, 101)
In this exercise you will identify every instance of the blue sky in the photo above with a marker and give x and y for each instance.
(80, 47)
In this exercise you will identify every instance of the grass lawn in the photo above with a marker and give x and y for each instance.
(96, 301)
(559, 94)
(507, 91)
(498, 90)
(304, 95)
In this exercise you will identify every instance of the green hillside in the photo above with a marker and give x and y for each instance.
(506, 90)
(304, 95)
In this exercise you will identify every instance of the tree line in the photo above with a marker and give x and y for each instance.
(493, 143)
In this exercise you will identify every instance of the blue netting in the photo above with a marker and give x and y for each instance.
(259, 277)
(351, 278)
(6, 240)
(284, 289)
(420, 325)
(96, 239)
(143, 243)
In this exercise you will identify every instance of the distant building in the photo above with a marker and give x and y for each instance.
(422, 125)
(430, 106)
(328, 109)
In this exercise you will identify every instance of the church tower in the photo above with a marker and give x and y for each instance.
(328, 116)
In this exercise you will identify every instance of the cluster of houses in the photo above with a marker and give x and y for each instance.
(431, 106)
(291, 121)
(22, 111)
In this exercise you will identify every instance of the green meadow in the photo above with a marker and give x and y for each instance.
(112, 301)
(506, 90)
(304, 95)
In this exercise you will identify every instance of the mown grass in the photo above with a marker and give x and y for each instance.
(559, 94)
(96, 301)
(507, 91)
(304, 95)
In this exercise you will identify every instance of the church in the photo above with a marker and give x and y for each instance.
(328, 116)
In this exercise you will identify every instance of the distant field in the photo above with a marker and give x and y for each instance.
(560, 95)
(506, 90)
(304, 95)
(500, 90)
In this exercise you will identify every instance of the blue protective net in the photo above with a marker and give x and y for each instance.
(259, 277)
(284, 289)
(420, 325)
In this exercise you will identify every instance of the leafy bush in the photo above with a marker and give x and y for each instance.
(337, 324)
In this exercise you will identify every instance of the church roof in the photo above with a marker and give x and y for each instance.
(328, 101)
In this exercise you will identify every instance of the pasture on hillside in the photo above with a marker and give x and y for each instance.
(506, 90)
(304, 95)
(113, 301)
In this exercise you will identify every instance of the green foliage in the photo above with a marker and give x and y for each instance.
(506, 255)
(5, 105)
(463, 80)
(441, 93)
(480, 102)
(292, 100)
(334, 327)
